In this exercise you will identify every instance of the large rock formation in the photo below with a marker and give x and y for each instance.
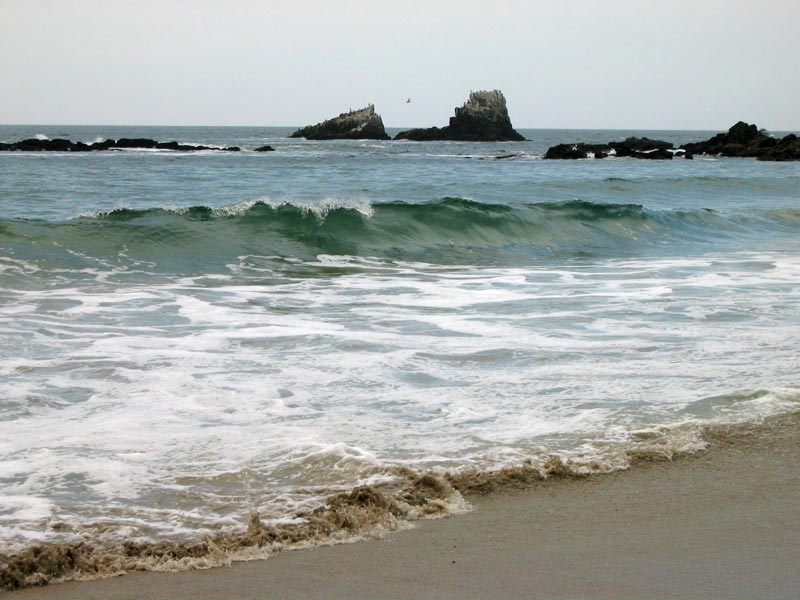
(482, 118)
(61, 145)
(747, 140)
(631, 147)
(363, 124)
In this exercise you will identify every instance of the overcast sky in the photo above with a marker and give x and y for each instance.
(678, 64)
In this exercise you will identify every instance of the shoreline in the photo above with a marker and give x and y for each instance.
(724, 523)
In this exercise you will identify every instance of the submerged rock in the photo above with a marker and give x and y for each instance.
(745, 140)
(482, 118)
(61, 145)
(362, 124)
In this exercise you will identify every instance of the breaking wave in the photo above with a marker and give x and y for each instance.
(446, 231)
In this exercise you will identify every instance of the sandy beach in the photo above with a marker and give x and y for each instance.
(722, 524)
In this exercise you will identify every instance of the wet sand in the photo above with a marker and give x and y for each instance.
(722, 524)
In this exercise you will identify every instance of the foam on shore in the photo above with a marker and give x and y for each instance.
(365, 512)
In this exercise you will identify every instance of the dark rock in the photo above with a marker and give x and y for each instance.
(57, 145)
(135, 143)
(104, 145)
(144, 143)
(265, 149)
(633, 144)
(654, 155)
(363, 124)
(482, 118)
(168, 146)
(430, 134)
(768, 142)
(567, 151)
(742, 133)
(36, 145)
(743, 140)
(782, 152)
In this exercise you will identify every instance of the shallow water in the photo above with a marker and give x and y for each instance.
(190, 339)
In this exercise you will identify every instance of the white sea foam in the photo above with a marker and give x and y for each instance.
(15, 509)
(319, 208)
(186, 406)
(8, 263)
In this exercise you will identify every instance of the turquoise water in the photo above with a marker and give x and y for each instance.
(186, 338)
(58, 187)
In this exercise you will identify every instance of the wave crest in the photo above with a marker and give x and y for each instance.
(446, 231)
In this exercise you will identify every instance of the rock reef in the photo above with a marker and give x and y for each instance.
(482, 118)
(362, 124)
(745, 140)
(62, 145)
(631, 147)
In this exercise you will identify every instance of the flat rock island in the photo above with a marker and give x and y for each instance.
(482, 118)
(62, 145)
(362, 124)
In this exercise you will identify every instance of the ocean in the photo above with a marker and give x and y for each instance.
(210, 356)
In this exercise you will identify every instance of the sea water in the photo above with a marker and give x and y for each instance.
(205, 344)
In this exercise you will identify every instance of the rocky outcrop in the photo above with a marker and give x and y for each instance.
(61, 145)
(744, 140)
(482, 118)
(632, 147)
(741, 140)
(363, 124)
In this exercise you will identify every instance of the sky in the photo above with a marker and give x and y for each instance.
(627, 64)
